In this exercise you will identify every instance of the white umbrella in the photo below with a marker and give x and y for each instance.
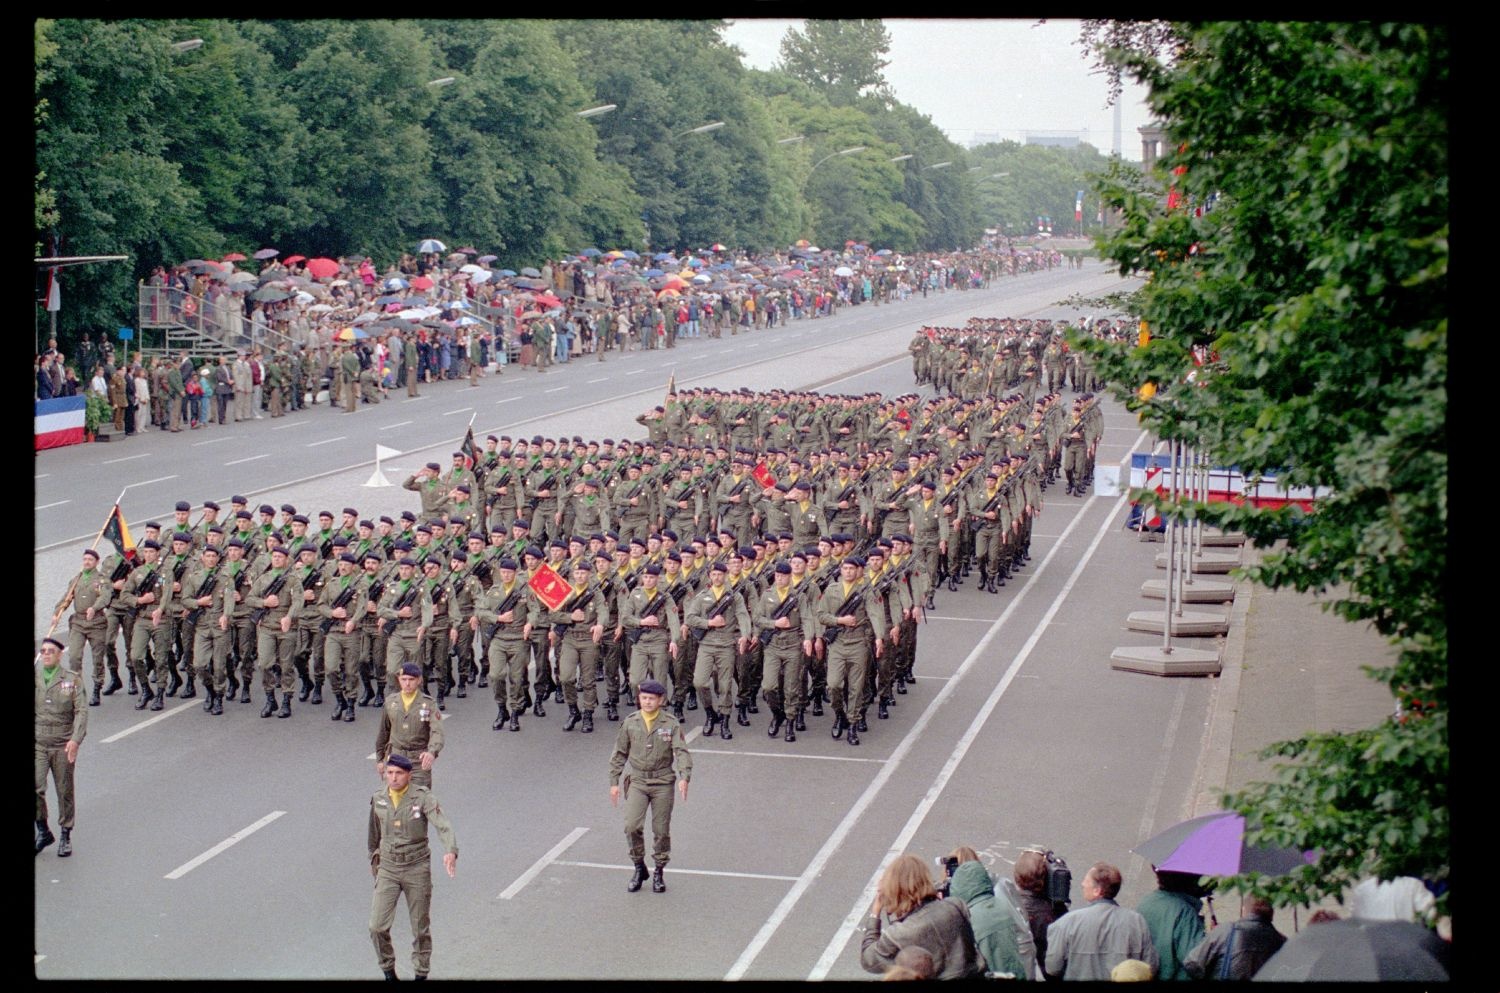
(482, 276)
(432, 245)
(471, 268)
(843, 270)
(320, 308)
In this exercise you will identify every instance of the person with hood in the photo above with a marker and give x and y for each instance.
(1173, 912)
(999, 929)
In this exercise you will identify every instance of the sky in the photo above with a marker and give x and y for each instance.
(986, 79)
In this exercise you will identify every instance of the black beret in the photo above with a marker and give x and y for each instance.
(407, 515)
(518, 523)
(653, 569)
(91, 552)
(287, 508)
(266, 508)
(349, 557)
(718, 567)
(351, 511)
(210, 505)
(149, 543)
(435, 467)
(234, 543)
(182, 536)
(855, 560)
(460, 556)
(279, 550)
(399, 761)
(299, 518)
(183, 505)
(669, 533)
(387, 520)
(783, 568)
(325, 513)
(508, 563)
(653, 687)
(407, 560)
(238, 499)
(533, 551)
(211, 548)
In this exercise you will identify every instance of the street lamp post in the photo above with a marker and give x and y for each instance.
(597, 111)
(940, 165)
(792, 140)
(187, 46)
(902, 158)
(701, 129)
(834, 155)
(445, 81)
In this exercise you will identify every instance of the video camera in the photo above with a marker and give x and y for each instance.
(950, 866)
(1059, 880)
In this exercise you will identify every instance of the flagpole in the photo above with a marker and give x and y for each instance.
(73, 587)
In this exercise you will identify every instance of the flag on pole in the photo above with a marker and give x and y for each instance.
(763, 475)
(117, 533)
(671, 385)
(471, 453)
(549, 587)
(54, 291)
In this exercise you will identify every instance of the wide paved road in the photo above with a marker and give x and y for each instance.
(1017, 732)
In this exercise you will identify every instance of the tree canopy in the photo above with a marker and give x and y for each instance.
(331, 137)
(1305, 255)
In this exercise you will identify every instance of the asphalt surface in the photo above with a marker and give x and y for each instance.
(1016, 733)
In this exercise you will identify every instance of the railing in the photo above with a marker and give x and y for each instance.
(196, 325)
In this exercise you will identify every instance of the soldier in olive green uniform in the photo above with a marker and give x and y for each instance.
(786, 630)
(405, 600)
(651, 753)
(275, 599)
(577, 627)
(649, 616)
(201, 596)
(341, 604)
(401, 861)
(427, 483)
(238, 645)
(61, 722)
(90, 595)
(845, 609)
(145, 591)
(504, 612)
(718, 638)
(410, 725)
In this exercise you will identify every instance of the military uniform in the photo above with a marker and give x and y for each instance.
(781, 679)
(88, 625)
(410, 729)
(651, 758)
(401, 860)
(61, 717)
(714, 671)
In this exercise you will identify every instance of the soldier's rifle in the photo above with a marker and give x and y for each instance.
(506, 606)
(342, 600)
(720, 607)
(273, 589)
(406, 599)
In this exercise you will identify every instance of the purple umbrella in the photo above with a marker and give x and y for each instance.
(1214, 845)
(267, 253)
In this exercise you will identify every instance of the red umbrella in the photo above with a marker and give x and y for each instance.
(548, 300)
(234, 257)
(322, 268)
(293, 259)
(422, 283)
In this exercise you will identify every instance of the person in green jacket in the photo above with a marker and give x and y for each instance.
(999, 929)
(1173, 913)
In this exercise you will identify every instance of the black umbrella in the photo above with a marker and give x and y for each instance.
(1359, 951)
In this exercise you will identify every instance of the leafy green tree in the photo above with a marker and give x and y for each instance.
(1309, 259)
(844, 59)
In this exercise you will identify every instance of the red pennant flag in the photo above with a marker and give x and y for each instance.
(763, 475)
(904, 416)
(549, 587)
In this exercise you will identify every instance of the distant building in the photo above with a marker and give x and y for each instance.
(1052, 139)
(1153, 143)
(984, 138)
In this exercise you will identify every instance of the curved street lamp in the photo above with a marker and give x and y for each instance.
(445, 81)
(902, 158)
(187, 46)
(597, 111)
(792, 140)
(701, 129)
(833, 155)
(940, 165)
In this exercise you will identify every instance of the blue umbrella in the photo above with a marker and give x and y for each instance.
(530, 271)
(654, 272)
(620, 262)
(661, 256)
(396, 283)
(388, 298)
(629, 254)
(507, 272)
(589, 253)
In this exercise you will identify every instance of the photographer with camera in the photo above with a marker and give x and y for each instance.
(1092, 940)
(1040, 888)
(1000, 931)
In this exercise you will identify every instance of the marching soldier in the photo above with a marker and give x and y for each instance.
(340, 605)
(90, 594)
(848, 620)
(146, 592)
(718, 637)
(504, 611)
(786, 632)
(650, 755)
(61, 723)
(410, 725)
(275, 600)
(577, 627)
(400, 859)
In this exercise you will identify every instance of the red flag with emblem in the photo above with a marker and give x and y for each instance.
(549, 587)
(763, 475)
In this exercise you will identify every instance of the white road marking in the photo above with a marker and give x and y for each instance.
(325, 441)
(283, 427)
(127, 458)
(398, 424)
(44, 475)
(38, 958)
(158, 479)
(461, 410)
(558, 389)
(685, 872)
(506, 400)
(542, 863)
(57, 504)
(591, 382)
(250, 459)
(413, 399)
(785, 755)
(945, 617)
(215, 441)
(857, 912)
(173, 712)
(229, 842)
(693, 735)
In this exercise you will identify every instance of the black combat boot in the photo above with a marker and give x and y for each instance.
(369, 694)
(677, 712)
(740, 717)
(636, 878)
(588, 722)
(484, 679)
(573, 718)
(208, 698)
(190, 690)
(861, 724)
(174, 681)
(791, 734)
(463, 681)
(692, 698)
(218, 708)
(379, 700)
(853, 735)
(94, 698)
(349, 709)
(147, 695)
(317, 693)
(881, 711)
(134, 686)
(536, 708)
(270, 707)
(65, 843)
(724, 730)
(442, 696)
(286, 706)
(901, 685)
(751, 706)
(801, 722)
(44, 838)
(114, 681)
(390, 975)
(160, 700)
(777, 719)
(840, 722)
(245, 692)
(817, 707)
(658, 884)
(231, 683)
(515, 721)
(338, 713)
(612, 711)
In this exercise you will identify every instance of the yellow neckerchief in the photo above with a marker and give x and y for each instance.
(717, 591)
(396, 796)
(649, 719)
(803, 505)
(873, 574)
(847, 587)
(407, 699)
(782, 592)
(927, 504)
(797, 580)
(895, 560)
(990, 491)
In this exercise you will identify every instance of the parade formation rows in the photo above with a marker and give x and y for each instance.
(776, 548)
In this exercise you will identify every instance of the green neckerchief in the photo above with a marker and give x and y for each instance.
(49, 676)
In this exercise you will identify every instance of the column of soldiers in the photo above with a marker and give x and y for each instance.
(776, 548)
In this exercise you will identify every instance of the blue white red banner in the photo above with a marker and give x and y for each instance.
(59, 422)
